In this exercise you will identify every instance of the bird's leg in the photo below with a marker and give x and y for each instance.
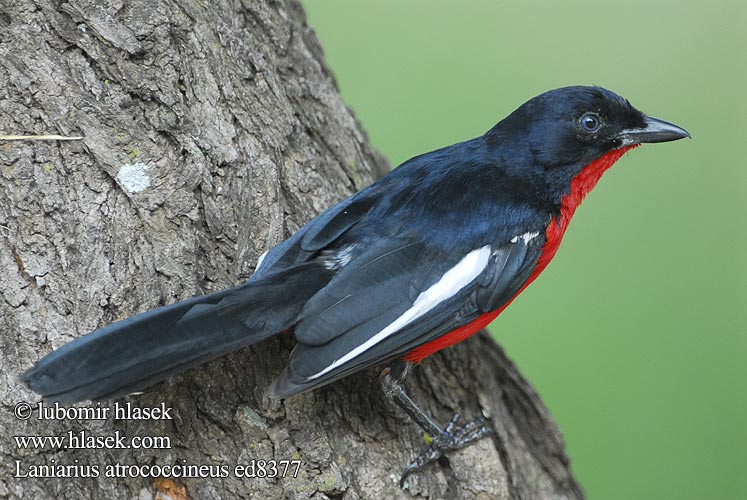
(444, 440)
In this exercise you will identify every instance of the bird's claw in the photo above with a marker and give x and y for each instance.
(451, 438)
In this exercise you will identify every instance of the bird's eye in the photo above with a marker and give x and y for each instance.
(590, 123)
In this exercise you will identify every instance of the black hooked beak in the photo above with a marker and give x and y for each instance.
(655, 130)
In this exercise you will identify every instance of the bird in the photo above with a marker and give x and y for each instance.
(419, 260)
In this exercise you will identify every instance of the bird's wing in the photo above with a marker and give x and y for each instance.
(317, 234)
(396, 296)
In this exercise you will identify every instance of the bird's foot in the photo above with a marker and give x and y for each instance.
(451, 438)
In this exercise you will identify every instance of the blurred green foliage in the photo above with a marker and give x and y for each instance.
(636, 335)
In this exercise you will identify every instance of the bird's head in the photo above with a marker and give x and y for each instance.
(573, 126)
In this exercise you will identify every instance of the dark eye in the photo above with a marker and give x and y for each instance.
(590, 123)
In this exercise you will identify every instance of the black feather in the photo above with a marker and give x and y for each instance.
(129, 355)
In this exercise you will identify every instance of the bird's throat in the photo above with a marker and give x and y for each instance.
(584, 182)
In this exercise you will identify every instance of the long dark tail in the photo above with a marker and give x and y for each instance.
(132, 354)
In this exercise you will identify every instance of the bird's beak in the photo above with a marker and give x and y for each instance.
(655, 130)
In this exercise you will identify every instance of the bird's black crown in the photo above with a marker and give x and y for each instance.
(568, 126)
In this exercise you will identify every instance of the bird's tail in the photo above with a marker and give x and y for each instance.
(132, 354)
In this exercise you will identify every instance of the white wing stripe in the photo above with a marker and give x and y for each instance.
(259, 261)
(450, 283)
(526, 237)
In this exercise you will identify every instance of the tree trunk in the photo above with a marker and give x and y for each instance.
(211, 131)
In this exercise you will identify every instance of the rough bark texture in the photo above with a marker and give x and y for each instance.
(213, 129)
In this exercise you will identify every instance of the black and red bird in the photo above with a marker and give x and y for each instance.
(416, 262)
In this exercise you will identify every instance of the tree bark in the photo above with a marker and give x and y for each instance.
(212, 131)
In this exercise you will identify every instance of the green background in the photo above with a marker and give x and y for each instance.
(635, 335)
